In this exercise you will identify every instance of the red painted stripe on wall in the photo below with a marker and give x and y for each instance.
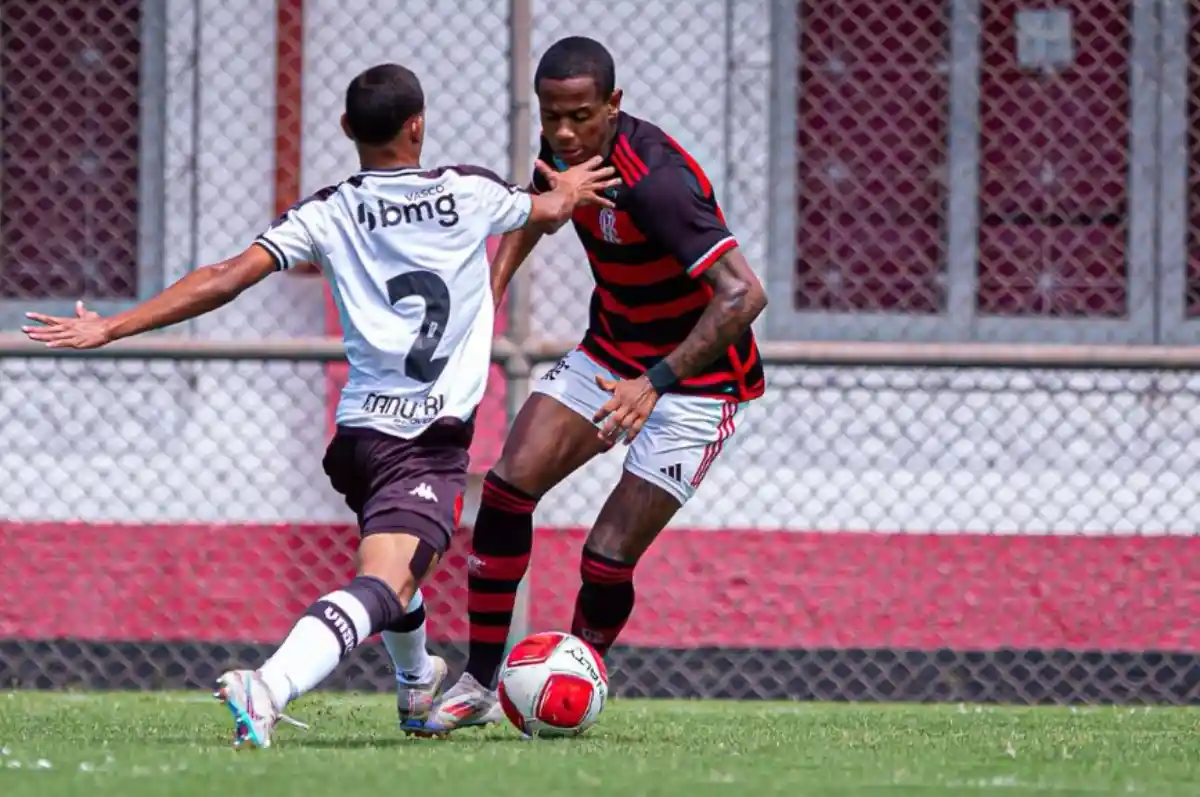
(725, 588)
(289, 100)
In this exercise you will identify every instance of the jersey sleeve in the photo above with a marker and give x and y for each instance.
(290, 239)
(506, 206)
(669, 205)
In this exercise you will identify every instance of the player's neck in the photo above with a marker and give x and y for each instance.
(607, 148)
(387, 158)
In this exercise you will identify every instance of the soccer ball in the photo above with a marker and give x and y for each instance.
(553, 684)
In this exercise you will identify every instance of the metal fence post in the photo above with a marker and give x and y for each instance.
(519, 366)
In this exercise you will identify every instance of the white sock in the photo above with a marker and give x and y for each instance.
(313, 648)
(410, 657)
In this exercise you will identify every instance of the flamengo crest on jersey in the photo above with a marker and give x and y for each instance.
(405, 255)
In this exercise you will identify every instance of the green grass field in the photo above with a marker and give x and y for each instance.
(175, 744)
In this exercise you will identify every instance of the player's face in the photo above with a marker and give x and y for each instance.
(576, 120)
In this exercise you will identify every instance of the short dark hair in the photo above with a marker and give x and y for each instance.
(578, 56)
(380, 100)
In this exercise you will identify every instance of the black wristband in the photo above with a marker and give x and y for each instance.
(661, 376)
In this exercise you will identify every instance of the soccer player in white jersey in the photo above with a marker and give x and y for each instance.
(404, 252)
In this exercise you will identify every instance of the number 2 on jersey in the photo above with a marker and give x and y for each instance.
(420, 364)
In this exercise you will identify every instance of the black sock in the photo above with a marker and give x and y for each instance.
(605, 600)
(500, 549)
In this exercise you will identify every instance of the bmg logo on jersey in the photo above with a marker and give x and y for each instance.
(420, 208)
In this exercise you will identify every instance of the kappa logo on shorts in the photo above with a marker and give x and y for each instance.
(424, 492)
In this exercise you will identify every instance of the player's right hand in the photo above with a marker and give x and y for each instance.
(587, 182)
(87, 330)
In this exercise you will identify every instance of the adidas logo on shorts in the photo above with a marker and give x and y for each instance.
(674, 472)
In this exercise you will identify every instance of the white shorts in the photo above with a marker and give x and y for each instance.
(681, 438)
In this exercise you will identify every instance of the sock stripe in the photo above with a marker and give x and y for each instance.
(606, 579)
(601, 567)
(488, 634)
(501, 494)
(603, 573)
(479, 617)
(493, 584)
(339, 623)
(494, 499)
(485, 602)
(498, 568)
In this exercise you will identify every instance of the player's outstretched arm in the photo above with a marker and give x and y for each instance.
(580, 185)
(738, 299)
(201, 291)
(515, 248)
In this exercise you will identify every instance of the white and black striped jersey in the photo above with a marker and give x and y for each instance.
(405, 255)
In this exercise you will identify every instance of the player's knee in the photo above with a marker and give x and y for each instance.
(518, 472)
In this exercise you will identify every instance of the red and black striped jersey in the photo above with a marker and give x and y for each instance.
(646, 257)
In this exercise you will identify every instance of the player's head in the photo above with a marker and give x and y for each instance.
(576, 88)
(385, 108)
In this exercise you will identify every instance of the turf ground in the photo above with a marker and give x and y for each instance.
(175, 744)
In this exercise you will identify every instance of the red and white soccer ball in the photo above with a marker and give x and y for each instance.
(553, 684)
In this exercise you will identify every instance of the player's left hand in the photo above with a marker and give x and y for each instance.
(87, 330)
(631, 404)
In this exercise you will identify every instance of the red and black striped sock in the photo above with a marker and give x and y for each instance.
(605, 600)
(500, 548)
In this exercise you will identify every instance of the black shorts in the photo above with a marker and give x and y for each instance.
(408, 486)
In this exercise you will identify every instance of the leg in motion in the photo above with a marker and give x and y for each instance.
(404, 494)
(549, 440)
(632, 517)
(663, 469)
(327, 632)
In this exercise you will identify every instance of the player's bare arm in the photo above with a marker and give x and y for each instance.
(580, 185)
(201, 291)
(738, 299)
(515, 248)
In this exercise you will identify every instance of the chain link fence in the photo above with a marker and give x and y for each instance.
(883, 533)
(926, 171)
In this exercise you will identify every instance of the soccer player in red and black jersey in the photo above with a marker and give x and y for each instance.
(667, 361)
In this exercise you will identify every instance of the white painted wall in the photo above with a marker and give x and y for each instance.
(830, 450)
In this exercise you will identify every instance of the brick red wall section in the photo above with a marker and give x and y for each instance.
(69, 76)
(696, 588)
(1053, 165)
